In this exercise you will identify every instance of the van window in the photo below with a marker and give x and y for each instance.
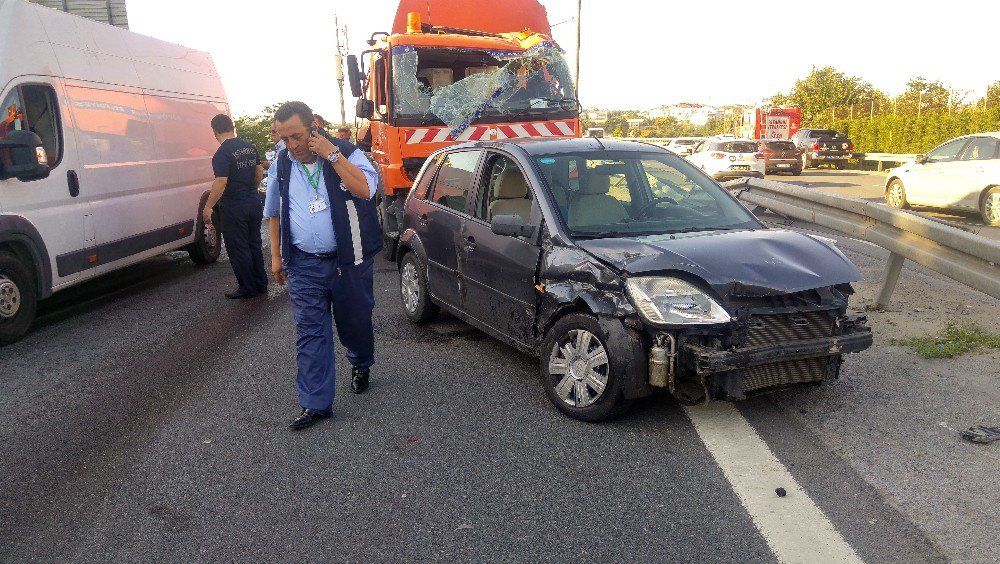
(454, 179)
(33, 107)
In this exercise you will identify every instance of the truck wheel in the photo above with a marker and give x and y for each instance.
(581, 378)
(413, 290)
(18, 299)
(895, 195)
(990, 208)
(387, 222)
(208, 243)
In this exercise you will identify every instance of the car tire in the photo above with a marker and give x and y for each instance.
(18, 298)
(797, 172)
(413, 292)
(207, 245)
(572, 383)
(838, 166)
(990, 206)
(895, 195)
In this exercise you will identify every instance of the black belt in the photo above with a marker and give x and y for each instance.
(322, 256)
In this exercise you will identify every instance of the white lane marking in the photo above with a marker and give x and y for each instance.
(793, 526)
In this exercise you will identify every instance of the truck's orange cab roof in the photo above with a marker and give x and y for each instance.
(507, 16)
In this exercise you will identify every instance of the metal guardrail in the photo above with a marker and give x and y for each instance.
(882, 158)
(965, 257)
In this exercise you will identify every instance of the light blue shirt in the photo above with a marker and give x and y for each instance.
(311, 232)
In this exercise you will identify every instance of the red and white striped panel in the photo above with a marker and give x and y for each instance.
(491, 132)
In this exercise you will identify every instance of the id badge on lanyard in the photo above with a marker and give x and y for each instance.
(318, 204)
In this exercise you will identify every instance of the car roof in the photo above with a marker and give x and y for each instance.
(555, 146)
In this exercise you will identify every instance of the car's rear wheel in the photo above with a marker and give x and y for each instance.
(895, 195)
(990, 208)
(18, 299)
(581, 378)
(413, 290)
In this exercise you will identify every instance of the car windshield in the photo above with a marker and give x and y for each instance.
(458, 87)
(621, 194)
(738, 147)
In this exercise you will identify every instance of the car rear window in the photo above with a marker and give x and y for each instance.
(781, 145)
(685, 142)
(825, 133)
(738, 147)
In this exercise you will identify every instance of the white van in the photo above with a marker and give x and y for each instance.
(105, 153)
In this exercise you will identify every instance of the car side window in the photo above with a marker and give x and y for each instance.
(33, 107)
(420, 190)
(503, 190)
(947, 152)
(454, 179)
(980, 149)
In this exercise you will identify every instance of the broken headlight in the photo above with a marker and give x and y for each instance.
(671, 301)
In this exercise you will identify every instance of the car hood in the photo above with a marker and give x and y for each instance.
(735, 263)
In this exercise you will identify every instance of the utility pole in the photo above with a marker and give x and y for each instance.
(576, 87)
(338, 62)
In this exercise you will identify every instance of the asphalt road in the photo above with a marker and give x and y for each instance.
(144, 419)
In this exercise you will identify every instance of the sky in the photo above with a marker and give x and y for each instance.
(634, 54)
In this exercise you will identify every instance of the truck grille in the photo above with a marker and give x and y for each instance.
(768, 329)
(781, 374)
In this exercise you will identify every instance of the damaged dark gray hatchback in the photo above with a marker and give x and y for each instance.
(625, 269)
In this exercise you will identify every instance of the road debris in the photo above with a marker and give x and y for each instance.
(781, 492)
(982, 434)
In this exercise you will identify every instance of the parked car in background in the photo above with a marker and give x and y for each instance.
(727, 157)
(823, 146)
(625, 269)
(780, 156)
(961, 174)
(683, 145)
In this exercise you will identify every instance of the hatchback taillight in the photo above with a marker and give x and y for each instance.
(850, 147)
(816, 146)
(758, 156)
(718, 155)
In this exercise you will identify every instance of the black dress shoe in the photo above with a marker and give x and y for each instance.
(239, 295)
(359, 380)
(307, 418)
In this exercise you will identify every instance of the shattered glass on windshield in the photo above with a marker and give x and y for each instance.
(494, 82)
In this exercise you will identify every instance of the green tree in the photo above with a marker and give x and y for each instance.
(921, 96)
(824, 90)
(256, 129)
(992, 98)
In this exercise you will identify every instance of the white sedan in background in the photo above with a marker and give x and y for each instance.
(725, 157)
(683, 146)
(962, 174)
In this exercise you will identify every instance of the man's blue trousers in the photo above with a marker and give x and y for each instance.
(317, 287)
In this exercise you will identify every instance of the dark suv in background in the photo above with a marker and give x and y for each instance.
(780, 155)
(625, 269)
(823, 146)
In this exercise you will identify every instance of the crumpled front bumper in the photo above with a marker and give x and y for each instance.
(707, 360)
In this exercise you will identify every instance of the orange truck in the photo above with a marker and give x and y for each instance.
(447, 74)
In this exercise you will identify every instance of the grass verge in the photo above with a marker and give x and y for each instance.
(953, 341)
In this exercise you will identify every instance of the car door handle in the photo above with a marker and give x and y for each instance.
(470, 243)
(74, 183)
(423, 220)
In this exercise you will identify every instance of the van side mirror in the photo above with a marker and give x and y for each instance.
(364, 108)
(354, 75)
(511, 226)
(25, 157)
(920, 159)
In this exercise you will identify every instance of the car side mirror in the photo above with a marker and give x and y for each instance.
(920, 159)
(354, 75)
(364, 108)
(25, 157)
(511, 226)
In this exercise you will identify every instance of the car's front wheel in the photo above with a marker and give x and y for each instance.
(990, 208)
(581, 378)
(895, 195)
(413, 290)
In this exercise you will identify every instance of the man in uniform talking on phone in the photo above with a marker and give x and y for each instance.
(324, 234)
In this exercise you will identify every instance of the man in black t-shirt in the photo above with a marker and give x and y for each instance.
(237, 174)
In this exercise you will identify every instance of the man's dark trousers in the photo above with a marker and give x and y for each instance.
(241, 221)
(317, 286)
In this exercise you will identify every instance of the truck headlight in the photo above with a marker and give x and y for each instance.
(671, 301)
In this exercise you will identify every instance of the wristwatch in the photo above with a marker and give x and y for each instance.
(333, 156)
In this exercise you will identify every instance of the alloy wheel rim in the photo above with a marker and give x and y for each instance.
(895, 195)
(579, 367)
(993, 207)
(10, 298)
(410, 287)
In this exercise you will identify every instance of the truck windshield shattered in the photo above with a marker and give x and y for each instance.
(459, 87)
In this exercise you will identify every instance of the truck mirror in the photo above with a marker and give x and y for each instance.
(364, 108)
(354, 75)
(25, 158)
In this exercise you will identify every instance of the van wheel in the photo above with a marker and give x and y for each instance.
(208, 244)
(18, 299)
(581, 378)
(413, 290)
(990, 208)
